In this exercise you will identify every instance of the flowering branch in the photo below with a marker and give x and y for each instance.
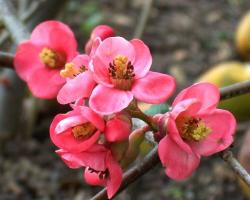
(10, 116)
(6, 60)
(152, 158)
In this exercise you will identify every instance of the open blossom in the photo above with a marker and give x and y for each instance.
(194, 128)
(100, 33)
(121, 69)
(100, 167)
(76, 130)
(39, 60)
(80, 82)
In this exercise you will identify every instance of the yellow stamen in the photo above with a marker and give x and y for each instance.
(194, 130)
(51, 58)
(120, 63)
(83, 131)
(121, 72)
(70, 71)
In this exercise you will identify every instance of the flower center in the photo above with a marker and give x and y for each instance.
(121, 72)
(51, 58)
(193, 129)
(83, 131)
(71, 71)
(102, 174)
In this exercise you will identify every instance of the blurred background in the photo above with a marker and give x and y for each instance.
(187, 38)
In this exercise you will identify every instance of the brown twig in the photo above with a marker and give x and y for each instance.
(234, 90)
(6, 60)
(228, 157)
(152, 158)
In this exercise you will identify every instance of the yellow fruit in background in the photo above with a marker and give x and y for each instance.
(243, 36)
(228, 73)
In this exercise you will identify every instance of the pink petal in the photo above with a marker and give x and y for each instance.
(92, 178)
(79, 87)
(81, 60)
(94, 45)
(41, 33)
(27, 59)
(112, 47)
(69, 159)
(100, 72)
(94, 158)
(109, 100)
(93, 117)
(45, 83)
(154, 88)
(62, 42)
(68, 142)
(207, 93)
(79, 102)
(223, 127)
(115, 174)
(117, 130)
(174, 134)
(69, 122)
(179, 164)
(187, 107)
(143, 58)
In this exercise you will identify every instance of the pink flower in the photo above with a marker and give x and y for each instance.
(102, 32)
(80, 82)
(118, 127)
(121, 68)
(39, 60)
(76, 130)
(101, 167)
(195, 128)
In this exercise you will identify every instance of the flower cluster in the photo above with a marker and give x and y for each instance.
(103, 86)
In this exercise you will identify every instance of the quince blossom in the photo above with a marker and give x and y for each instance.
(39, 60)
(76, 130)
(194, 128)
(101, 168)
(121, 69)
